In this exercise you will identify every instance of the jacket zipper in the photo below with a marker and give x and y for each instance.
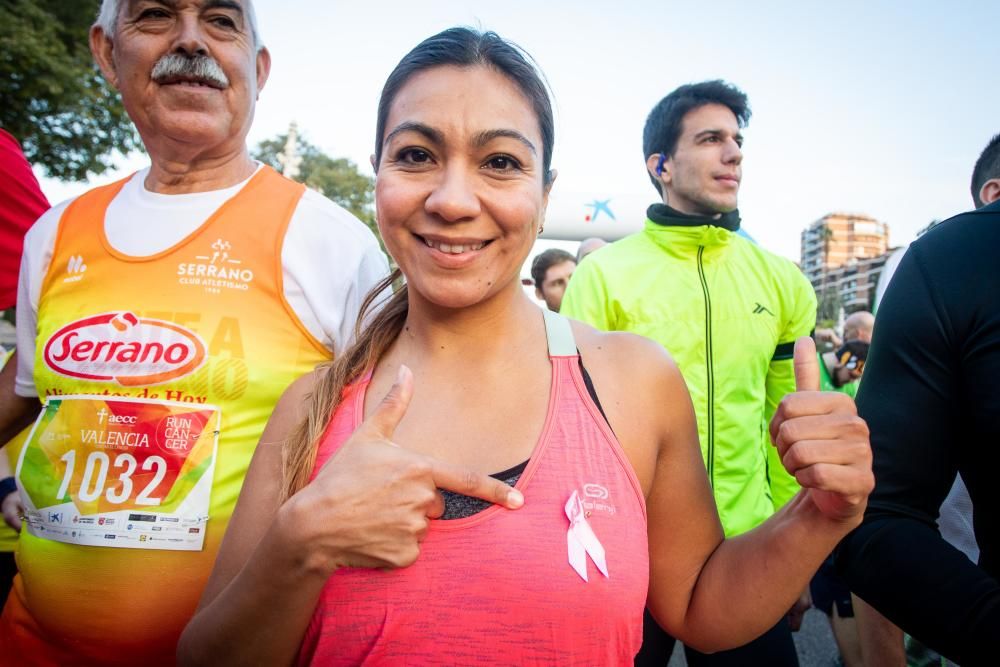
(710, 459)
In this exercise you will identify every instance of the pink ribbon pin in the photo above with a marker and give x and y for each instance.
(581, 540)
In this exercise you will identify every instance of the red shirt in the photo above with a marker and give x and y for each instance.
(21, 203)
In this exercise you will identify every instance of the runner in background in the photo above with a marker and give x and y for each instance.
(930, 394)
(180, 302)
(841, 370)
(588, 246)
(551, 271)
(882, 642)
(726, 309)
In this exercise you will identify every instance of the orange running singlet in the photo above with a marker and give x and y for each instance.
(204, 322)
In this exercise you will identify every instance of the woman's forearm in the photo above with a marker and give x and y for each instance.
(752, 580)
(261, 616)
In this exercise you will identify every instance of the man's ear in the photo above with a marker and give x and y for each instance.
(656, 166)
(371, 158)
(990, 192)
(102, 49)
(263, 68)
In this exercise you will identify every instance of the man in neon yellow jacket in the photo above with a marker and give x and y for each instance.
(726, 310)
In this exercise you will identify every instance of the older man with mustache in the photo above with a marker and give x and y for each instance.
(159, 319)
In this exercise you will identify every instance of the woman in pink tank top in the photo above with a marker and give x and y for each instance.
(370, 529)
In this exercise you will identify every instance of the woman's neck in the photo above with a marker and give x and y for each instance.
(492, 329)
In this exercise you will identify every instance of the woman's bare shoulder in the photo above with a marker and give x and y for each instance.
(628, 368)
(291, 408)
(621, 351)
(303, 386)
(641, 391)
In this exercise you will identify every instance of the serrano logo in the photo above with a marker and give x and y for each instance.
(120, 347)
(216, 271)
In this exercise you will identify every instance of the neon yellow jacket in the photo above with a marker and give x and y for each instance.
(728, 312)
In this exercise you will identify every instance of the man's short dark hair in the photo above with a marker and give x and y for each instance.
(543, 262)
(987, 168)
(663, 125)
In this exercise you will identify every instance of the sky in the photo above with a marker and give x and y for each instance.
(876, 107)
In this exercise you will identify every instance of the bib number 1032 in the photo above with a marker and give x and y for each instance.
(99, 466)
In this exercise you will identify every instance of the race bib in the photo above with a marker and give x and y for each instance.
(122, 472)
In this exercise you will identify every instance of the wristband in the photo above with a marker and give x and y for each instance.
(7, 487)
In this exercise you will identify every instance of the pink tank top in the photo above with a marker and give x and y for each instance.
(498, 587)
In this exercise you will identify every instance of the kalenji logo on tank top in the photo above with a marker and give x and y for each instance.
(120, 347)
(595, 499)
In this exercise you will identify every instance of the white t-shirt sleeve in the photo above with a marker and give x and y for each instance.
(330, 260)
(39, 243)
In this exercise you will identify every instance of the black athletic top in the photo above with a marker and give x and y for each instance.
(931, 397)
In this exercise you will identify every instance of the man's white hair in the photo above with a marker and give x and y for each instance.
(107, 19)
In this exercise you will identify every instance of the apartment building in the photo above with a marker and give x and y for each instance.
(843, 253)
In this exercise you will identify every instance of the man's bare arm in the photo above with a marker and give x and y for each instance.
(16, 412)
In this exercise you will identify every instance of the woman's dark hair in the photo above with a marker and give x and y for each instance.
(460, 47)
(465, 47)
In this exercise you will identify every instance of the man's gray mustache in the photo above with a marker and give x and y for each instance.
(200, 67)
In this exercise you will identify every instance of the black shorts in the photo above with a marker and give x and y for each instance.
(828, 588)
(774, 648)
(8, 568)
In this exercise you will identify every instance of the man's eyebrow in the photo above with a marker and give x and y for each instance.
(432, 135)
(211, 4)
(225, 4)
(717, 133)
(172, 4)
(485, 137)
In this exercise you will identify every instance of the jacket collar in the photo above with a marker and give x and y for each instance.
(664, 215)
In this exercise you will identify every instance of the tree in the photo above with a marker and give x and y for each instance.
(336, 178)
(53, 98)
(827, 240)
(828, 308)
